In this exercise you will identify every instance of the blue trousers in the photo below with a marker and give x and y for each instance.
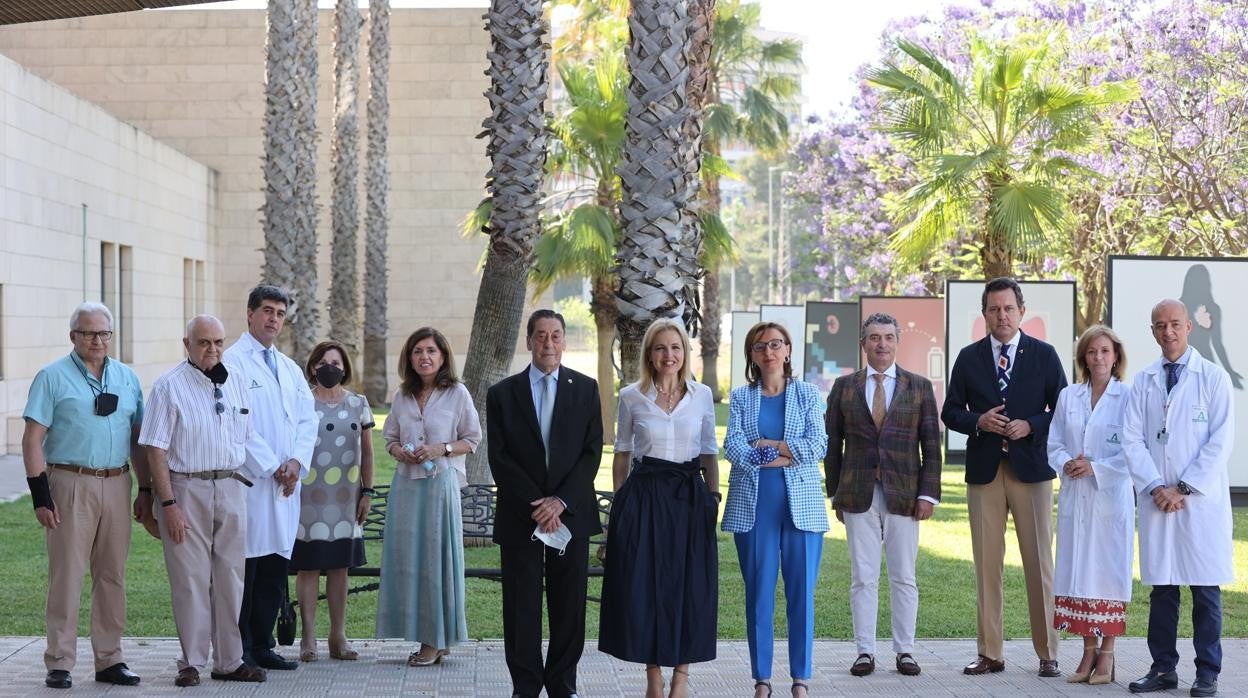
(775, 546)
(1163, 629)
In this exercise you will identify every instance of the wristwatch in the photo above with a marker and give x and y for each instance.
(1184, 488)
(448, 449)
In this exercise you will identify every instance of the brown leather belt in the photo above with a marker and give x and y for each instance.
(93, 472)
(213, 475)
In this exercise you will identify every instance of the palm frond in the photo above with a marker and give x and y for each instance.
(934, 65)
(580, 242)
(477, 219)
(1024, 211)
(934, 224)
(718, 247)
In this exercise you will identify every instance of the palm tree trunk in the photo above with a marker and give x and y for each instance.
(602, 305)
(711, 312)
(656, 261)
(519, 83)
(344, 305)
(303, 320)
(376, 215)
(996, 257)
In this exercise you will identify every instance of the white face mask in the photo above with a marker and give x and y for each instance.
(557, 539)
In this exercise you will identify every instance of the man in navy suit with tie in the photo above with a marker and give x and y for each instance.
(545, 445)
(1001, 394)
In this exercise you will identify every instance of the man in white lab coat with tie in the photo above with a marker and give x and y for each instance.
(284, 416)
(1178, 432)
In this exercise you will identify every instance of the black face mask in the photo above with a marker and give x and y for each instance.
(328, 375)
(217, 374)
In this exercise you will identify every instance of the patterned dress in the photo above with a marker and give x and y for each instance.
(329, 537)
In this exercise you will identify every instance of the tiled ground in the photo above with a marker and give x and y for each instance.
(478, 669)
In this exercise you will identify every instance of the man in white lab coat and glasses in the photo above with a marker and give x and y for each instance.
(282, 413)
(1178, 432)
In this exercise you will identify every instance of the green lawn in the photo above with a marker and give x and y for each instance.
(946, 579)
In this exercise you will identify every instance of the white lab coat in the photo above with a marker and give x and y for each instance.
(284, 426)
(1193, 545)
(1095, 513)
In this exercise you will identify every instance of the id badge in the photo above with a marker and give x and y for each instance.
(1163, 437)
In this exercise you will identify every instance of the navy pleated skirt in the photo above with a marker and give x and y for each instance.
(660, 590)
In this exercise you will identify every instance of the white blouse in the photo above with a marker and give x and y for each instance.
(644, 429)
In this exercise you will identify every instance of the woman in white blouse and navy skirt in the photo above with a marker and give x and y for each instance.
(660, 591)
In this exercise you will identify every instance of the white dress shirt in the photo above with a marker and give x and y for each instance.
(644, 429)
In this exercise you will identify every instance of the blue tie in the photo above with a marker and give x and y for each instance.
(1172, 376)
(547, 411)
(271, 361)
(1003, 367)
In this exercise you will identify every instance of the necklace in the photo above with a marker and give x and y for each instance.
(422, 397)
(668, 398)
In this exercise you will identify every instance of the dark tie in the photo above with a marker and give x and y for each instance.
(1172, 376)
(1003, 371)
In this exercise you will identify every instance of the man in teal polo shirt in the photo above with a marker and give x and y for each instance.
(82, 416)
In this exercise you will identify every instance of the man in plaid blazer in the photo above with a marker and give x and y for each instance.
(883, 473)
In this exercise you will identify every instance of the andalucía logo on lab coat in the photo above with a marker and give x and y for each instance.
(1200, 416)
(1113, 439)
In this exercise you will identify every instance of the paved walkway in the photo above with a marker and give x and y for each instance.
(12, 478)
(478, 669)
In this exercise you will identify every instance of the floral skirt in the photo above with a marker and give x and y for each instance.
(1089, 617)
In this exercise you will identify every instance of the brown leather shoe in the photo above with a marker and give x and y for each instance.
(1048, 668)
(244, 672)
(984, 665)
(863, 665)
(907, 666)
(187, 677)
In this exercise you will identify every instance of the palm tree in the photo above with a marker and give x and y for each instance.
(516, 129)
(376, 215)
(656, 261)
(750, 82)
(582, 240)
(344, 304)
(993, 147)
(288, 216)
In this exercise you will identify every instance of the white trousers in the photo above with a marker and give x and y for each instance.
(900, 538)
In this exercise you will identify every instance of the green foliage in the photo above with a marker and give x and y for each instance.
(582, 334)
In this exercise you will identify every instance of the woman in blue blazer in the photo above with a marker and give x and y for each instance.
(775, 509)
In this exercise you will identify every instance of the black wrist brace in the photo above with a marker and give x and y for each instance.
(40, 491)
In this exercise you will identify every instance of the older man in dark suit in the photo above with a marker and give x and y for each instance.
(1001, 394)
(545, 445)
(883, 468)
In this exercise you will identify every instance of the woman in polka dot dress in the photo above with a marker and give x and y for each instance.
(335, 498)
(432, 426)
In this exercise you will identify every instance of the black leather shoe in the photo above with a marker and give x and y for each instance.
(1048, 668)
(1205, 687)
(118, 674)
(58, 678)
(1154, 681)
(272, 660)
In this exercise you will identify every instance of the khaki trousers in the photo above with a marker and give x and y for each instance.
(206, 570)
(1031, 505)
(95, 531)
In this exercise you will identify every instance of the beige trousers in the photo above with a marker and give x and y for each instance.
(206, 570)
(1031, 505)
(95, 531)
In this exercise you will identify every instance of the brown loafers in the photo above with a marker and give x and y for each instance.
(863, 665)
(907, 666)
(187, 677)
(244, 672)
(984, 665)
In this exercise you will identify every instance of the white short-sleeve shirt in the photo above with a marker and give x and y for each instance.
(644, 429)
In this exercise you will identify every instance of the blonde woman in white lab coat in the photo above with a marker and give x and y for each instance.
(1096, 506)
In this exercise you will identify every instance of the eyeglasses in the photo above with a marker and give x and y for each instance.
(217, 394)
(774, 345)
(92, 336)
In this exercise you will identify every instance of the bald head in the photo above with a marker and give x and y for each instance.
(1171, 326)
(204, 341)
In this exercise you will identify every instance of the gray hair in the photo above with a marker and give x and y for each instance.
(90, 308)
(202, 318)
(878, 319)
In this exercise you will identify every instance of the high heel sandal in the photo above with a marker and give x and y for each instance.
(308, 655)
(684, 686)
(422, 659)
(799, 684)
(1082, 676)
(762, 684)
(662, 684)
(1102, 679)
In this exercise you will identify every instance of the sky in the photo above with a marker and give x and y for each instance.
(846, 34)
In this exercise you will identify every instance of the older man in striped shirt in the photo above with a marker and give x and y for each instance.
(196, 427)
